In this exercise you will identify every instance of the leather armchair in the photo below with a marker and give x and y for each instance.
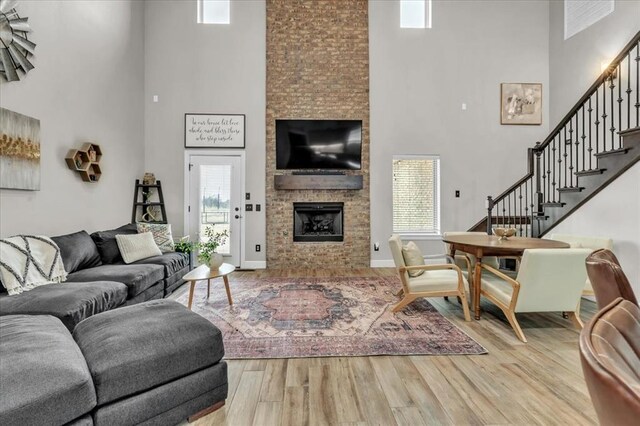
(608, 280)
(610, 356)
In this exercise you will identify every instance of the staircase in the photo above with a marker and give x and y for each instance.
(597, 141)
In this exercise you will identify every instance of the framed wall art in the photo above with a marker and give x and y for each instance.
(521, 103)
(214, 130)
(19, 151)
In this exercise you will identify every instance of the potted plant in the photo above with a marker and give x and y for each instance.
(207, 250)
(186, 246)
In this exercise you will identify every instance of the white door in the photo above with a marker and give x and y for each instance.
(215, 200)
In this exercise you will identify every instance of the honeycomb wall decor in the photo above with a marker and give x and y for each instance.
(86, 161)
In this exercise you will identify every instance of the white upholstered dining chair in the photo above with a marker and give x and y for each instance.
(593, 243)
(440, 280)
(548, 280)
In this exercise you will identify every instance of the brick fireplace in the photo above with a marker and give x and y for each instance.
(317, 68)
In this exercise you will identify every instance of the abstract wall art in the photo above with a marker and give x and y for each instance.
(19, 151)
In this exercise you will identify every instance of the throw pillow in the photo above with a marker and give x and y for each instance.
(78, 251)
(161, 235)
(137, 247)
(29, 261)
(107, 245)
(413, 257)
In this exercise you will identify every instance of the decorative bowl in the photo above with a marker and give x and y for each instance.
(504, 233)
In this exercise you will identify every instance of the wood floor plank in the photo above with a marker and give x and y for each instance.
(274, 379)
(295, 408)
(369, 392)
(322, 400)
(426, 402)
(245, 400)
(267, 414)
(392, 384)
(408, 416)
(347, 404)
(452, 402)
(297, 372)
(477, 400)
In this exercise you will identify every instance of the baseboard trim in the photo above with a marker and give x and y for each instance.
(387, 263)
(254, 264)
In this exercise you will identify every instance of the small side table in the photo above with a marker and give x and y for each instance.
(203, 272)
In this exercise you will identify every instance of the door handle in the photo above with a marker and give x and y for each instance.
(237, 209)
(238, 216)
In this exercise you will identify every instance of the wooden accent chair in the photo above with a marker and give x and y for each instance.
(549, 280)
(439, 280)
(608, 280)
(610, 356)
(593, 243)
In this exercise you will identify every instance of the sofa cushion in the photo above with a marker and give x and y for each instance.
(44, 377)
(137, 278)
(70, 302)
(136, 348)
(172, 262)
(78, 251)
(107, 245)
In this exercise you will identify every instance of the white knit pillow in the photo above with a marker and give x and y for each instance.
(137, 246)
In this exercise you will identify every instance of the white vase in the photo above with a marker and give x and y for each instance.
(216, 261)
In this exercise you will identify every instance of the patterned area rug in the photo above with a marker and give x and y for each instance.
(313, 317)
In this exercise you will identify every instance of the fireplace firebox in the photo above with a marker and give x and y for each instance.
(317, 222)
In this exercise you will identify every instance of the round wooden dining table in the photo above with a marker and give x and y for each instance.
(483, 245)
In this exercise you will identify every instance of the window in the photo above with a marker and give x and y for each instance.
(214, 11)
(415, 13)
(581, 14)
(416, 195)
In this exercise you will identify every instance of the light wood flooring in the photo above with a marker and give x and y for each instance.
(539, 382)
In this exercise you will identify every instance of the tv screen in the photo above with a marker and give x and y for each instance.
(318, 144)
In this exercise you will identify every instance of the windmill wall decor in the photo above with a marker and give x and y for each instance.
(15, 47)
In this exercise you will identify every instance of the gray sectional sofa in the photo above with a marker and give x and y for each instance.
(154, 363)
(98, 279)
(69, 357)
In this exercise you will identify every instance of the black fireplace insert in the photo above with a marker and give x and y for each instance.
(317, 222)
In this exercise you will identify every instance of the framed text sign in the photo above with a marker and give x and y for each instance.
(214, 130)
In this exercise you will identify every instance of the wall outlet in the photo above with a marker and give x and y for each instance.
(258, 208)
(258, 248)
(457, 193)
(376, 247)
(248, 207)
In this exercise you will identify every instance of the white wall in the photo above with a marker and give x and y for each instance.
(208, 69)
(609, 215)
(420, 78)
(86, 85)
(574, 64)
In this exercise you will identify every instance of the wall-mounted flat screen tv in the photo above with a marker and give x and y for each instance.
(319, 144)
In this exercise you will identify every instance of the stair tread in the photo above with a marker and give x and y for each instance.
(571, 189)
(590, 172)
(613, 152)
(550, 204)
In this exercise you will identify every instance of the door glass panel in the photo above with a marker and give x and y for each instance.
(215, 205)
